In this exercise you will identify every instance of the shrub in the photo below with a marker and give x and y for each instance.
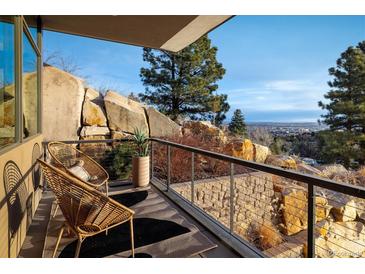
(205, 167)
(122, 160)
(264, 236)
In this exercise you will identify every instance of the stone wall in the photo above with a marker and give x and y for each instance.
(253, 199)
(271, 213)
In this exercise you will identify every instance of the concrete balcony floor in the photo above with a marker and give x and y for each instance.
(197, 243)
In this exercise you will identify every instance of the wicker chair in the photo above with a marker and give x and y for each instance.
(65, 156)
(87, 211)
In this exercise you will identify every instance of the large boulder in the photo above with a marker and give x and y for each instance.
(93, 114)
(344, 207)
(63, 95)
(94, 96)
(204, 129)
(119, 135)
(94, 131)
(124, 114)
(260, 153)
(361, 210)
(340, 174)
(161, 125)
(295, 208)
(342, 240)
(30, 103)
(330, 171)
(7, 106)
(7, 113)
(303, 167)
(281, 161)
(243, 149)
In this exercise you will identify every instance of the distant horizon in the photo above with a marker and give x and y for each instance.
(249, 123)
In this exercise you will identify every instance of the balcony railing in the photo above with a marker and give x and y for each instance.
(270, 211)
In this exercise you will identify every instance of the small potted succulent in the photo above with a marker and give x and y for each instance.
(141, 160)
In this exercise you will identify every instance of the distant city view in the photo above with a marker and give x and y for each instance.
(283, 129)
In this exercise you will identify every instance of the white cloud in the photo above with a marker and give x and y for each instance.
(288, 85)
(279, 95)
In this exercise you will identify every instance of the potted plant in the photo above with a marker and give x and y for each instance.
(141, 160)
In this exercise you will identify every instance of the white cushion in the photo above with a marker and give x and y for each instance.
(80, 172)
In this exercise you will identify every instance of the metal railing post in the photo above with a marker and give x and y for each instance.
(311, 222)
(192, 176)
(168, 167)
(151, 172)
(231, 198)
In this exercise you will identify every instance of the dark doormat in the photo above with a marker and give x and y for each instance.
(131, 198)
(146, 231)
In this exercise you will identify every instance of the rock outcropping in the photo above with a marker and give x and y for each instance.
(93, 110)
(161, 125)
(63, 96)
(82, 112)
(125, 114)
(204, 129)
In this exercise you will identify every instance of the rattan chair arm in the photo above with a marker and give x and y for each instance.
(104, 177)
(89, 188)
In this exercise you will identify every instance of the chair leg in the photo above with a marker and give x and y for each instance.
(132, 237)
(58, 240)
(78, 247)
(55, 211)
(107, 194)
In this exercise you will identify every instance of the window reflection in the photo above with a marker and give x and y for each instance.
(7, 87)
(30, 89)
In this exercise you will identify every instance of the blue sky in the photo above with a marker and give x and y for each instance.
(277, 66)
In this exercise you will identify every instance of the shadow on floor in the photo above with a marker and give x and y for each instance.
(141, 255)
(146, 231)
(131, 198)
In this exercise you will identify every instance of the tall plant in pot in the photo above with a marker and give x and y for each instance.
(141, 160)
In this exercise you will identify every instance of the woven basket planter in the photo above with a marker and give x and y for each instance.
(141, 171)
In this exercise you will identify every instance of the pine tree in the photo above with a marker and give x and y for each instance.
(184, 84)
(345, 141)
(220, 107)
(133, 97)
(346, 107)
(237, 126)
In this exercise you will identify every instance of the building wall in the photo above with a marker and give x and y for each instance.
(18, 204)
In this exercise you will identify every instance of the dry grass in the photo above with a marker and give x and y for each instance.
(269, 237)
(205, 167)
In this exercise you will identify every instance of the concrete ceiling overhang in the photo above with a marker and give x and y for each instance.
(167, 32)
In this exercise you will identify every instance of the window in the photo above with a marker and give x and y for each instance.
(33, 32)
(7, 82)
(19, 79)
(31, 21)
(29, 89)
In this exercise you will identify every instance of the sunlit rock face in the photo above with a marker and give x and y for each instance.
(63, 96)
(205, 129)
(261, 153)
(125, 114)
(93, 109)
(281, 161)
(161, 125)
